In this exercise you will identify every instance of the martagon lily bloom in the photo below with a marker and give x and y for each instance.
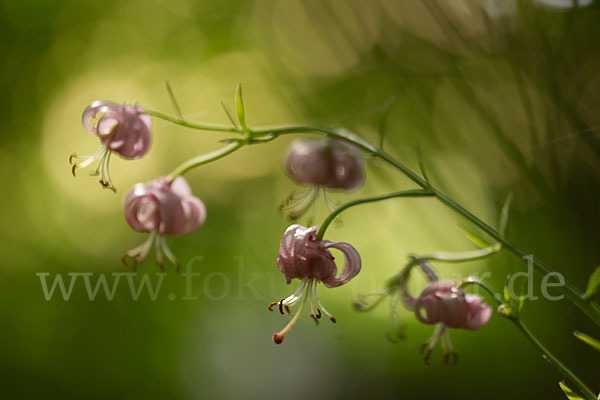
(448, 306)
(162, 207)
(124, 129)
(321, 165)
(302, 256)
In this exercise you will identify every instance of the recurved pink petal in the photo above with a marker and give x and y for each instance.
(180, 187)
(195, 212)
(100, 106)
(479, 312)
(352, 263)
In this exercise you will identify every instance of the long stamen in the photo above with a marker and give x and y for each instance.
(450, 348)
(331, 317)
(318, 313)
(293, 201)
(159, 255)
(428, 346)
(87, 160)
(105, 180)
(165, 248)
(313, 313)
(329, 202)
(140, 252)
(298, 213)
(279, 336)
(290, 300)
(100, 165)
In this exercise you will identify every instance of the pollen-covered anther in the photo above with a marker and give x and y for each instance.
(314, 317)
(281, 306)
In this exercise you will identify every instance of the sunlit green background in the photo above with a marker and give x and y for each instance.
(500, 95)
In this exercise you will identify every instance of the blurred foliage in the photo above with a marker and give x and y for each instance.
(501, 96)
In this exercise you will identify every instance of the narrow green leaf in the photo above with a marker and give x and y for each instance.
(383, 120)
(478, 241)
(172, 96)
(569, 393)
(595, 343)
(522, 292)
(593, 284)
(241, 112)
(506, 291)
(503, 222)
(228, 113)
(421, 163)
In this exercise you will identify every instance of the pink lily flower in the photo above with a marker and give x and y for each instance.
(162, 207)
(302, 256)
(123, 129)
(322, 165)
(448, 306)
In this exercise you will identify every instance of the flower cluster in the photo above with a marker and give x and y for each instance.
(166, 207)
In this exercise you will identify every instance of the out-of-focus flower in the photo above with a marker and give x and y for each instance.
(448, 306)
(321, 164)
(124, 129)
(302, 256)
(162, 207)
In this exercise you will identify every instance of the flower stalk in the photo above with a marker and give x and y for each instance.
(569, 290)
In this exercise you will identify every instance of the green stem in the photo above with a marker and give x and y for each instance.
(554, 361)
(562, 368)
(188, 124)
(570, 291)
(337, 211)
(206, 158)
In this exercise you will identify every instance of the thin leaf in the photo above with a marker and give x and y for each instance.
(172, 96)
(228, 113)
(571, 395)
(504, 215)
(421, 163)
(478, 241)
(506, 291)
(241, 112)
(593, 284)
(595, 343)
(383, 120)
(522, 293)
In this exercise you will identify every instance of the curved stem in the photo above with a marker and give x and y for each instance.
(337, 211)
(206, 158)
(193, 125)
(477, 282)
(569, 290)
(572, 293)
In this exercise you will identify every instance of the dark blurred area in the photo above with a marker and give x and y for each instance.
(501, 96)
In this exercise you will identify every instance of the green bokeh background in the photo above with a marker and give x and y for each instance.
(499, 98)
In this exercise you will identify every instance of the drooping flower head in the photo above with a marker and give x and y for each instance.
(447, 305)
(124, 129)
(162, 207)
(444, 302)
(321, 164)
(302, 256)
